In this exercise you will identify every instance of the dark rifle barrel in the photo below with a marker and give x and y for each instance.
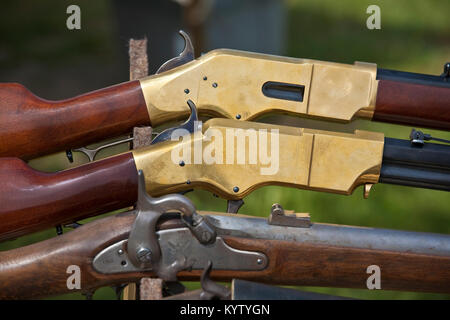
(411, 77)
(426, 166)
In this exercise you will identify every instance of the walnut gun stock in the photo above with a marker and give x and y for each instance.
(319, 255)
(31, 126)
(223, 83)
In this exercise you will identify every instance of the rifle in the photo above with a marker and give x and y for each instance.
(165, 237)
(308, 159)
(224, 83)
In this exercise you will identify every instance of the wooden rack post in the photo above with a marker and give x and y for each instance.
(149, 289)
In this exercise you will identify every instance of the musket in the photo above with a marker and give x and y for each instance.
(224, 83)
(301, 158)
(167, 238)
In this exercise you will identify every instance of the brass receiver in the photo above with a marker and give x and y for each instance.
(231, 158)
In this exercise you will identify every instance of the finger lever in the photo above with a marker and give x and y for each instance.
(185, 56)
(189, 125)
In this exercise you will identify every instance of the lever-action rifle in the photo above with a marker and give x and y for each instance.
(288, 249)
(308, 159)
(224, 83)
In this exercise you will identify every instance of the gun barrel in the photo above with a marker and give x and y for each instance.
(412, 77)
(426, 166)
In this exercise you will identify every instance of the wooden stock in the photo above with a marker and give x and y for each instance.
(294, 263)
(413, 104)
(39, 270)
(31, 126)
(31, 200)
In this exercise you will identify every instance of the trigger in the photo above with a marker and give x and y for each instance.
(233, 206)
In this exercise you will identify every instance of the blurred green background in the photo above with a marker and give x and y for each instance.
(37, 50)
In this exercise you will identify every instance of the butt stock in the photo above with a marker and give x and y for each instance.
(31, 126)
(39, 270)
(32, 200)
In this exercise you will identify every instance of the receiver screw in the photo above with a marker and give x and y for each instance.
(236, 189)
(206, 236)
(144, 255)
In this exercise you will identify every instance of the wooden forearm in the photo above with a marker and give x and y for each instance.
(32, 200)
(39, 270)
(31, 126)
(293, 263)
(413, 104)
